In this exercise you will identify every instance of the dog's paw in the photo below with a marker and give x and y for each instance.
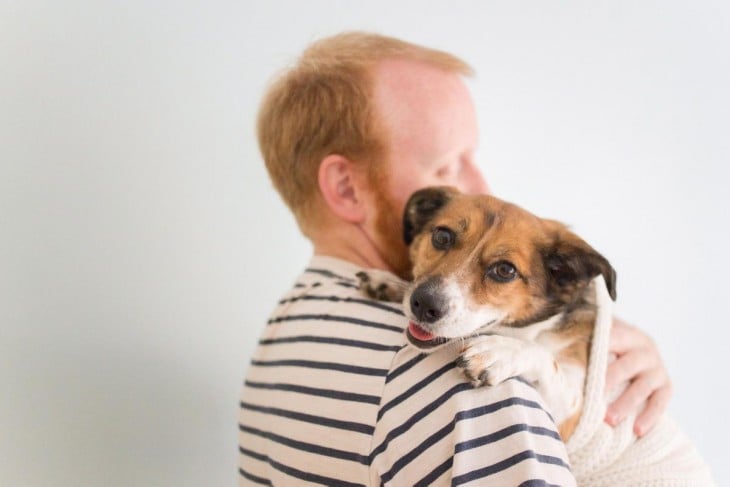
(381, 285)
(492, 359)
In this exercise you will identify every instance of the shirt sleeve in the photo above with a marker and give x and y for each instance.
(434, 428)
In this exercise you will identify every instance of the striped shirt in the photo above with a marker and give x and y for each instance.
(335, 395)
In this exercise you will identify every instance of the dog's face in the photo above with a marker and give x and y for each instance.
(479, 262)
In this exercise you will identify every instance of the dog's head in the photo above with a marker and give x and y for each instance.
(479, 262)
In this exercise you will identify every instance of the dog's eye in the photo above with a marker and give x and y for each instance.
(502, 271)
(443, 238)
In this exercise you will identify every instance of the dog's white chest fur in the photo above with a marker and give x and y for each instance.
(528, 352)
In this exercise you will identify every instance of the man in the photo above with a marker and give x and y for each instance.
(334, 394)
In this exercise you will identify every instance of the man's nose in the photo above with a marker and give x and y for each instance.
(474, 181)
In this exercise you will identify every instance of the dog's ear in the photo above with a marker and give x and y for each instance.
(570, 262)
(422, 206)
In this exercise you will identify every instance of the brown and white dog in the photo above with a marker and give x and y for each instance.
(511, 288)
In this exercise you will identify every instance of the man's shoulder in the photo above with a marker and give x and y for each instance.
(327, 291)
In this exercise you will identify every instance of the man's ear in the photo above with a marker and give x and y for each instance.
(422, 206)
(570, 261)
(340, 185)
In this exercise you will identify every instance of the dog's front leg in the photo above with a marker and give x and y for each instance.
(492, 359)
(382, 285)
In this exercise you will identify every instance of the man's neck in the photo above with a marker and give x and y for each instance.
(351, 244)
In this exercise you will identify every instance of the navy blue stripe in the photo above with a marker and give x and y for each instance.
(310, 364)
(418, 386)
(307, 447)
(312, 391)
(395, 432)
(293, 472)
(310, 418)
(339, 319)
(333, 341)
(253, 454)
(532, 386)
(471, 414)
(523, 380)
(480, 473)
(413, 454)
(337, 299)
(326, 273)
(437, 472)
(503, 433)
(254, 478)
(300, 285)
(405, 367)
(536, 483)
(489, 408)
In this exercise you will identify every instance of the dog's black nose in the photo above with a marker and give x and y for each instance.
(427, 303)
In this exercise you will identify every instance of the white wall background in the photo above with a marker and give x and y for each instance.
(142, 247)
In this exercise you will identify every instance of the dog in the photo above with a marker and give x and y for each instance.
(511, 287)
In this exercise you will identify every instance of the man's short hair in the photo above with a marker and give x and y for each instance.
(322, 105)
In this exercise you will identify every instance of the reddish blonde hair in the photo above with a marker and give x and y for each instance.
(322, 105)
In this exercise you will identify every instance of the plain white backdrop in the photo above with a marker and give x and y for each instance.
(142, 246)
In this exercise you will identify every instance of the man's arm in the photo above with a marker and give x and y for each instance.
(435, 428)
(638, 362)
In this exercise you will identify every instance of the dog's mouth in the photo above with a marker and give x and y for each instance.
(425, 340)
(421, 338)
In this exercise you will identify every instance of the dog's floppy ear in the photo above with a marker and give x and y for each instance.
(570, 261)
(421, 207)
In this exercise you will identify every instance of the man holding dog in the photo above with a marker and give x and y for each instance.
(334, 394)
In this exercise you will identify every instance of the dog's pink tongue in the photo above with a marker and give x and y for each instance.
(419, 333)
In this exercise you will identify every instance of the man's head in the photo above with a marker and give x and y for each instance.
(359, 123)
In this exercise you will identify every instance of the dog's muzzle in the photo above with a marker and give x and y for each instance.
(427, 303)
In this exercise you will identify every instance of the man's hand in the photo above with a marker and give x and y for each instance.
(639, 363)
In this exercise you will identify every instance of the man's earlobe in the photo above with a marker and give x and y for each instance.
(339, 184)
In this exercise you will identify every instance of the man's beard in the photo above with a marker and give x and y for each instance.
(389, 231)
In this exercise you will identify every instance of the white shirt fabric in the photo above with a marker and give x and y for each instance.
(334, 395)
